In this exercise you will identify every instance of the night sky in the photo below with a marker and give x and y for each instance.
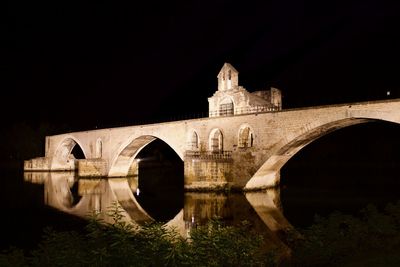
(82, 65)
(105, 63)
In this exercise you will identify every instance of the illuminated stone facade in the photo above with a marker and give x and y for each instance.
(232, 99)
(245, 151)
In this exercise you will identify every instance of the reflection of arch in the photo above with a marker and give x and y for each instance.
(97, 195)
(268, 174)
(193, 141)
(58, 192)
(216, 141)
(226, 107)
(267, 205)
(123, 194)
(246, 137)
(99, 148)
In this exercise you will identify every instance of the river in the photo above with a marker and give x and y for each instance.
(33, 200)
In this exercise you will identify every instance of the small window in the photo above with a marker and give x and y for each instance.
(193, 142)
(99, 148)
(216, 141)
(246, 137)
(226, 107)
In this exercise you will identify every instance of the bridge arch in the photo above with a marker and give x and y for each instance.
(127, 153)
(268, 174)
(63, 158)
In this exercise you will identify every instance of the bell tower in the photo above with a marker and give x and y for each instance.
(228, 78)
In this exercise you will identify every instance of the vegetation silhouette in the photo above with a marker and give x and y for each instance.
(123, 244)
(370, 239)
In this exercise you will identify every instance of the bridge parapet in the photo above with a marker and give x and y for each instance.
(208, 155)
(37, 164)
(243, 110)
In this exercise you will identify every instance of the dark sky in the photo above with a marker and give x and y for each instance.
(104, 63)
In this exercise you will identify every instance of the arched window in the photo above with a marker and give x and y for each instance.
(229, 84)
(99, 148)
(193, 142)
(226, 107)
(216, 141)
(246, 137)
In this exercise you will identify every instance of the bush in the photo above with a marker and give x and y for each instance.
(122, 244)
(371, 239)
(340, 240)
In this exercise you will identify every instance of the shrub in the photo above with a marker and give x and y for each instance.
(122, 244)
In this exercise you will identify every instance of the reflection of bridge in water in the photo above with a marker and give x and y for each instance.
(262, 209)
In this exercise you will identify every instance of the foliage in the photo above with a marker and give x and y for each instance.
(216, 245)
(372, 239)
(13, 257)
(122, 244)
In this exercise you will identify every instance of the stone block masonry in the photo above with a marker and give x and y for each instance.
(92, 168)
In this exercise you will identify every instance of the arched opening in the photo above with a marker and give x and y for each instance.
(69, 149)
(226, 107)
(343, 171)
(68, 152)
(193, 142)
(99, 148)
(268, 174)
(77, 152)
(229, 84)
(160, 180)
(246, 137)
(216, 141)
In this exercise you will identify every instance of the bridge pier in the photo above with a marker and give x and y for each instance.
(221, 170)
(92, 167)
(207, 170)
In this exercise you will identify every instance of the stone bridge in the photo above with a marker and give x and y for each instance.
(244, 151)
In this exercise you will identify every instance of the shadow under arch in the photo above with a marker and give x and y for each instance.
(158, 169)
(123, 161)
(64, 158)
(268, 176)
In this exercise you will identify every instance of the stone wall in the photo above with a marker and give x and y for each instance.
(37, 164)
(208, 171)
(92, 168)
(275, 138)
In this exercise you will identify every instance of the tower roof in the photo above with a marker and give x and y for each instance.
(227, 67)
